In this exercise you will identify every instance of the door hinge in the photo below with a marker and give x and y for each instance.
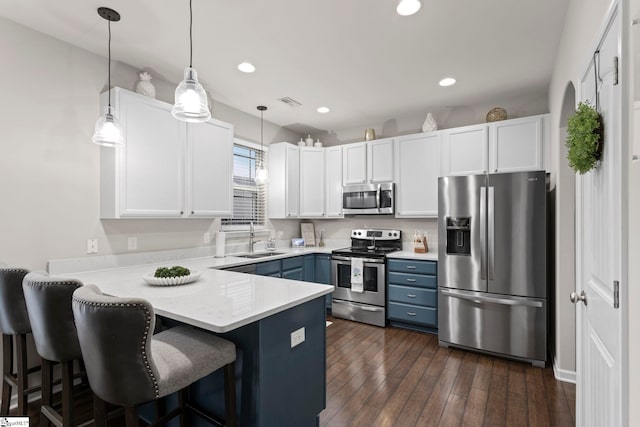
(616, 294)
(615, 70)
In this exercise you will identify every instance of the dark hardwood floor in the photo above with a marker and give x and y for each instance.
(394, 377)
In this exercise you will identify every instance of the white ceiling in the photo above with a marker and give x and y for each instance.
(357, 57)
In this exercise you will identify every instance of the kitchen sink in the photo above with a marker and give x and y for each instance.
(259, 255)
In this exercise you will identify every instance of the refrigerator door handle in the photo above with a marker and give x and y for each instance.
(482, 299)
(483, 235)
(491, 211)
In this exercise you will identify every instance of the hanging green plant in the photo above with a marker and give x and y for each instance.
(585, 138)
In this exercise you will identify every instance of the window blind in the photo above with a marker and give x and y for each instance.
(249, 198)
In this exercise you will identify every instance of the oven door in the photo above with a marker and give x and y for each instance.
(373, 281)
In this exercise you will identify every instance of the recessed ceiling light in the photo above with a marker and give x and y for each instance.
(408, 7)
(246, 67)
(323, 110)
(447, 81)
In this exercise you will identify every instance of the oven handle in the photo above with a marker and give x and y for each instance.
(360, 306)
(368, 260)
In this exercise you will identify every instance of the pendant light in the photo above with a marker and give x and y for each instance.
(262, 175)
(108, 132)
(191, 103)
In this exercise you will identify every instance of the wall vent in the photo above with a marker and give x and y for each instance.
(290, 102)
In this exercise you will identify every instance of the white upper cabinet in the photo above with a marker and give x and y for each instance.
(368, 162)
(380, 161)
(146, 177)
(312, 192)
(517, 145)
(284, 181)
(465, 150)
(333, 181)
(354, 163)
(505, 146)
(417, 169)
(209, 169)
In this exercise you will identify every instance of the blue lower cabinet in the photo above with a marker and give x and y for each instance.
(269, 268)
(323, 274)
(309, 272)
(294, 274)
(412, 294)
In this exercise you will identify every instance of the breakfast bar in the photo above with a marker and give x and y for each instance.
(277, 325)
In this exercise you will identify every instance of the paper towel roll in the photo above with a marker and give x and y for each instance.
(220, 242)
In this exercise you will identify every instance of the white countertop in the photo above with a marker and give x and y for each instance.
(219, 301)
(429, 256)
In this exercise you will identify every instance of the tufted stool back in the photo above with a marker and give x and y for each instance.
(48, 302)
(14, 319)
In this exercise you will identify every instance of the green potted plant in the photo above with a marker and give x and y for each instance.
(585, 138)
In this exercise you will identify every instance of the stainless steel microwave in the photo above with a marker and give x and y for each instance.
(368, 199)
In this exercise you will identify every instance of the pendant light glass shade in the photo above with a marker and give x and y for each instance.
(191, 104)
(108, 132)
(262, 175)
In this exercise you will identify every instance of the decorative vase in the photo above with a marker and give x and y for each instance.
(309, 141)
(144, 86)
(369, 134)
(429, 124)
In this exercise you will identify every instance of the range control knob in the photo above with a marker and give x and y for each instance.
(389, 234)
(395, 234)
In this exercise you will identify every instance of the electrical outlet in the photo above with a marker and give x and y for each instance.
(132, 243)
(92, 246)
(206, 238)
(297, 337)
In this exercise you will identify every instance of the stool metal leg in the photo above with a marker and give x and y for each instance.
(47, 379)
(21, 352)
(182, 397)
(7, 371)
(230, 395)
(131, 417)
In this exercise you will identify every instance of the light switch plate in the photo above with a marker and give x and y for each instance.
(206, 238)
(297, 337)
(132, 243)
(92, 246)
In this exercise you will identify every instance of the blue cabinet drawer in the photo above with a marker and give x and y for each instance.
(408, 266)
(295, 274)
(413, 314)
(291, 263)
(413, 280)
(410, 295)
(268, 268)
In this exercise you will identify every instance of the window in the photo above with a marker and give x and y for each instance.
(249, 198)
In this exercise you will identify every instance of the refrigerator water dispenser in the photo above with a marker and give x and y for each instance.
(458, 235)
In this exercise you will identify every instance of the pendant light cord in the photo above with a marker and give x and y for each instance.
(190, 34)
(109, 66)
(261, 132)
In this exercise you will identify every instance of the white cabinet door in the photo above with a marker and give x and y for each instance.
(209, 169)
(333, 182)
(466, 150)
(354, 161)
(312, 182)
(380, 161)
(417, 170)
(284, 181)
(516, 145)
(144, 178)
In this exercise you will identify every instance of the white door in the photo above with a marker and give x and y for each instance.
(466, 150)
(600, 333)
(333, 181)
(354, 163)
(516, 145)
(380, 161)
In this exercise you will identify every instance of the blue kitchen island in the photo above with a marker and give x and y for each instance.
(278, 327)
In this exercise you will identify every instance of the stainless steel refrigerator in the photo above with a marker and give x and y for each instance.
(492, 270)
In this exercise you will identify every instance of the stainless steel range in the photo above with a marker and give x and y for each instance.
(361, 290)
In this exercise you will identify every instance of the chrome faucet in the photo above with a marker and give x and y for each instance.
(252, 236)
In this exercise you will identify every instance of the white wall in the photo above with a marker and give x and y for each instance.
(49, 169)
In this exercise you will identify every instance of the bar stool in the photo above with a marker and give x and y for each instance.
(128, 366)
(14, 325)
(48, 302)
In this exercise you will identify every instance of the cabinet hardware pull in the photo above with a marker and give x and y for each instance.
(411, 280)
(410, 313)
(181, 212)
(192, 212)
(411, 267)
(411, 295)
